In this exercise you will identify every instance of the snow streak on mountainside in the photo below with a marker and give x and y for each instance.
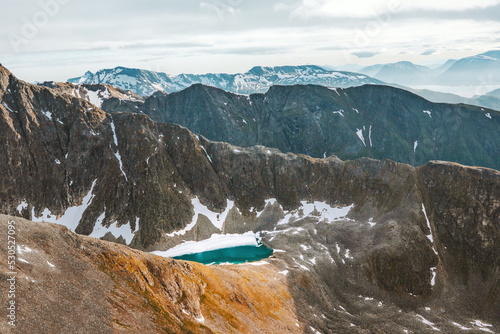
(257, 80)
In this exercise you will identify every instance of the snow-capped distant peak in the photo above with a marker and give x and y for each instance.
(258, 80)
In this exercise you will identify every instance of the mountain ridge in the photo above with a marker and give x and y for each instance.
(369, 120)
(479, 70)
(257, 79)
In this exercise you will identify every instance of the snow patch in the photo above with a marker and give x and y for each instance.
(115, 138)
(208, 156)
(6, 106)
(429, 236)
(124, 230)
(370, 136)
(216, 218)
(461, 327)
(95, 98)
(346, 254)
(359, 132)
(340, 112)
(24, 249)
(427, 112)
(71, 217)
(305, 247)
(47, 114)
(488, 115)
(200, 318)
(50, 264)
(323, 211)
(415, 144)
(334, 89)
(314, 330)
(433, 279)
(215, 242)
(482, 326)
(117, 153)
(257, 263)
(427, 322)
(119, 158)
(22, 206)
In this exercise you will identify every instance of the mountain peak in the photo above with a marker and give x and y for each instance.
(300, 69)
(5, 77)
(495, 54)
(4, 71)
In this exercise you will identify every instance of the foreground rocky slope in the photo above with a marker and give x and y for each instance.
(369, 121)
(68, 283)
(357, 240)
(71, 283)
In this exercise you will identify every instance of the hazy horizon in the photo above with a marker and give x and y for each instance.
(59, 39)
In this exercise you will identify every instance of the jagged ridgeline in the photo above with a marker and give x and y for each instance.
(406, 235)
(380, 122)
(257, 80)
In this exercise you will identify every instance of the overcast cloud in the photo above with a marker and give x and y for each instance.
(58, 39)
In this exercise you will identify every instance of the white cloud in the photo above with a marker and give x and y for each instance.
(370, 8)
(234, 35)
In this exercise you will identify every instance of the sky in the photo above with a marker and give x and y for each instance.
(59, 39)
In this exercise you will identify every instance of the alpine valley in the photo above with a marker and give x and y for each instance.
(407, 245)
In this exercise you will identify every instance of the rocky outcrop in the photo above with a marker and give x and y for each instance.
(369, 121)
(100, 95)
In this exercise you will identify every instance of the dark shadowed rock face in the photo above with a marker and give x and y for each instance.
(464, 206)
(408, 237)
(369, 121)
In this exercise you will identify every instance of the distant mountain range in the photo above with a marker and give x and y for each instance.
(490, 100)
(257, 80)
(482, 69)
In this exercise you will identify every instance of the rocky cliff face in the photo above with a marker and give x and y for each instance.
(354, 238)
(369, 121)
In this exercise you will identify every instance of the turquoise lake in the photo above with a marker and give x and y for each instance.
(235, 255)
